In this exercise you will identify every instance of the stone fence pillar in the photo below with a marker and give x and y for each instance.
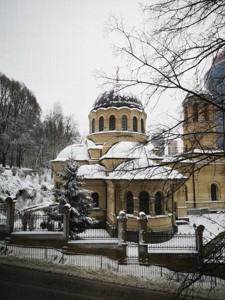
(66, 221)
(199, 239)
(122, 235)
(143, 238)
(122, 227)
(10, 214)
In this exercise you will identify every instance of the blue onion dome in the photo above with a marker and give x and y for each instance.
(215, 78)
(115, 99)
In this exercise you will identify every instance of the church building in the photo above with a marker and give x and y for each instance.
(124, 171)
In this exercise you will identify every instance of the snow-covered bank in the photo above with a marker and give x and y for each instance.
(214, 224)
(29, 188)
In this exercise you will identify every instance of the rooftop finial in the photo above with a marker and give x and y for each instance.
(117, 79)
(197, 79)
(117, 75)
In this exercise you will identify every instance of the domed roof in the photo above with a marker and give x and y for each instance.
(114, 99)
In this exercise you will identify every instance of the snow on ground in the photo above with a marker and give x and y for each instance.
(214, 224)
(156, 278)
(31, 189)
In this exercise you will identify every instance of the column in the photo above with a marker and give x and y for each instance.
(66, 221)
(142, 246)
(10, 214)
(122, 236)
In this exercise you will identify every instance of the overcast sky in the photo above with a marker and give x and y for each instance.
(55, 46)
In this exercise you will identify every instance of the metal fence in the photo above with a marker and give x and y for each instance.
(98, 262)
(35, 222)
(3, 215)
(172, 242)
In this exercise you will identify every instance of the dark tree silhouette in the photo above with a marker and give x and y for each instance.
(73, 193)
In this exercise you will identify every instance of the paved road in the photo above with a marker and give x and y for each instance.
(18, 283)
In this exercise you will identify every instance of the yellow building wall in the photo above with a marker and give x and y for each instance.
(118, 113)
(200, 183)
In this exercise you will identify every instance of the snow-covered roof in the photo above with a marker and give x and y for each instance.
(75, 151)
(176, 159)
(189, 156)
(91, 145)
(92, 171)
(144, 168)
(129, 150)
(202, 92)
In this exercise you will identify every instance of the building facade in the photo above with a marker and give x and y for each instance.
(121, 168)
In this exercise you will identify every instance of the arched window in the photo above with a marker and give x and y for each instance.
(93, 126)
(186, 192)
(135, 125)
(158, 203)
(101, 124)
(124, 122)
(214, 192)
(206, 112)
(195, 112)
(142, 126)
(95, 198)
(144, 202)
(112, 123)
(130, 203)
(185, 114)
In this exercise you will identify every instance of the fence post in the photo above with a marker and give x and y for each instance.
(10, 214)
(66, 218)
(122, 235)
(7, 242)
(142, 246)
(64, 252)
(199, 239)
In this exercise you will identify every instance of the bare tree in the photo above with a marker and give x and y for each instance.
(20, 113)
(59, 131)
(24, 139)
(177, 37)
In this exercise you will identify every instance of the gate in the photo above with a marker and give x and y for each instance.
(132, 253)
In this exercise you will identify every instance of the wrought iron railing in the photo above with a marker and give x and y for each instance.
(88, 261)
(36, 222)
(172, 242)
(3, 215)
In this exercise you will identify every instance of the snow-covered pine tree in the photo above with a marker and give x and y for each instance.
(79, 199)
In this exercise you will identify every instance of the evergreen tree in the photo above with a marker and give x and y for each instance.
(79, 199)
